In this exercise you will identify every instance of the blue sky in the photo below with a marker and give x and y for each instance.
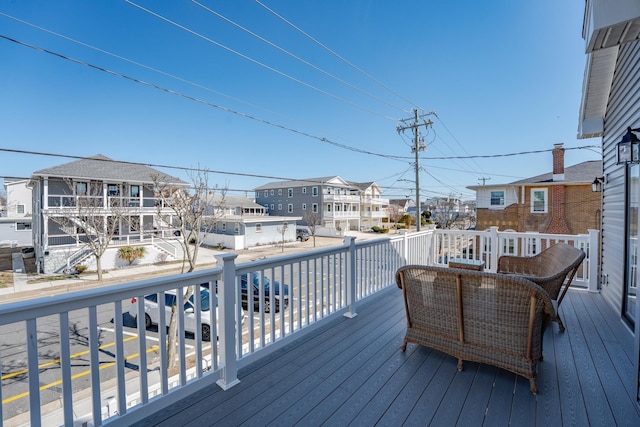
(503, 77)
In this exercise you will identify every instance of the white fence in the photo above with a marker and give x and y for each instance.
(124, 368)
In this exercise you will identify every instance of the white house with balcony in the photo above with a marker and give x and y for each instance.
(111, 190)
(373, 207)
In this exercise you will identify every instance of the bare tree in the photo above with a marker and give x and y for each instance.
(446, 213)
(313, 221)
(94, 220)
(190, 213)
(282, 231)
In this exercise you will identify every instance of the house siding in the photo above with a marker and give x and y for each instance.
(623, 111)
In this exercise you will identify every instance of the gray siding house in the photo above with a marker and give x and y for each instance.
(102, 188)
(610, 106)
(336, 204)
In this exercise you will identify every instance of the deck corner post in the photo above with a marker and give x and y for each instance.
(227, 335)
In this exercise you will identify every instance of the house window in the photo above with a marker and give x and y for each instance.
(337, 208)
(314, 191)
(314, 208)
(279, 191)
(258, 228)
(539, 200)
(272, 192)
(497, 198)
(266, 193)
(290, 208)
(23, 226)
(290, 192)
(215, 227)
(272, 206)
(81, 188)
(224, 227)
(304, 190)
(279, 206)
(236, 228)
(304, 206)
(113, 190)
(20, 209)
(134, 191)
(329, 208)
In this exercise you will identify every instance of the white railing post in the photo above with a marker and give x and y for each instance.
(495, 248)
(405, 247)
(594, 258)
(350, 242)
(227, 330)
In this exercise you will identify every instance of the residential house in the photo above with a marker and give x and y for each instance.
(241, 223)
(93, 187)
(610, 107)
(372, 205)
(401, 205)
(335, 203)
(559, 202)
(15, 223)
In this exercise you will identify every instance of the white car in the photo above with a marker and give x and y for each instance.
(152, 313)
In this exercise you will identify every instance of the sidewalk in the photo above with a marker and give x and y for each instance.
(206, 259)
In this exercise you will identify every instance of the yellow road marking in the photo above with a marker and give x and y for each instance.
(78, 375)
(57, 361)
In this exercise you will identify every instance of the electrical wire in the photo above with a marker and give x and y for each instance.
(207, 103)
(254, 61)
(297, 58)
(369, 76)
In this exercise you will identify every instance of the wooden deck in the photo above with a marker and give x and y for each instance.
(352, 372)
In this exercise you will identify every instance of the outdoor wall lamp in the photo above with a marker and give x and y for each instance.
(596, 185)
(629, 147)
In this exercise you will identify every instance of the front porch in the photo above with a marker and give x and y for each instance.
(352, 372)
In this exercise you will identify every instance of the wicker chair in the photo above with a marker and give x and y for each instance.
(476, 316)
(552, 268)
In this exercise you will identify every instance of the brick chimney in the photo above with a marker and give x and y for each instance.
(558, 223)
(558, 162)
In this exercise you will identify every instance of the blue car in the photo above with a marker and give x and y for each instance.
(280, 293)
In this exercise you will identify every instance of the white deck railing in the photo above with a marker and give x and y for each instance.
(125, 368)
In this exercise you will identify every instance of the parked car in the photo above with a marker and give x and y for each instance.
(302, 234)
(280, 293)
(152, 312)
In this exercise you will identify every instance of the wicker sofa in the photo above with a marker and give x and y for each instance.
(476, 316)
(553, 269)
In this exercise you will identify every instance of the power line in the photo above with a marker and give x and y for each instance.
(336, 54)
(201, 101)
(275, 46)
(261, 64)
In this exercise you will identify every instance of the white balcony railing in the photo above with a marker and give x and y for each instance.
(128, 364)
(66, 201)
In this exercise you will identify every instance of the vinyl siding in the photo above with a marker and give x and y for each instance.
(623, 110)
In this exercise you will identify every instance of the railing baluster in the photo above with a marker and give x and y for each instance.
(94, 357)
(120, 362)
(34, 372)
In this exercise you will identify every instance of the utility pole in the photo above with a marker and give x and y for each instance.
(483, 179)
(417, 147)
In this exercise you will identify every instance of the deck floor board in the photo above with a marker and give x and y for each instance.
(352, 372)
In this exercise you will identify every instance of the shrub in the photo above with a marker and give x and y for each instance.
(81, 268)
(377, 229)
(130, 254)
